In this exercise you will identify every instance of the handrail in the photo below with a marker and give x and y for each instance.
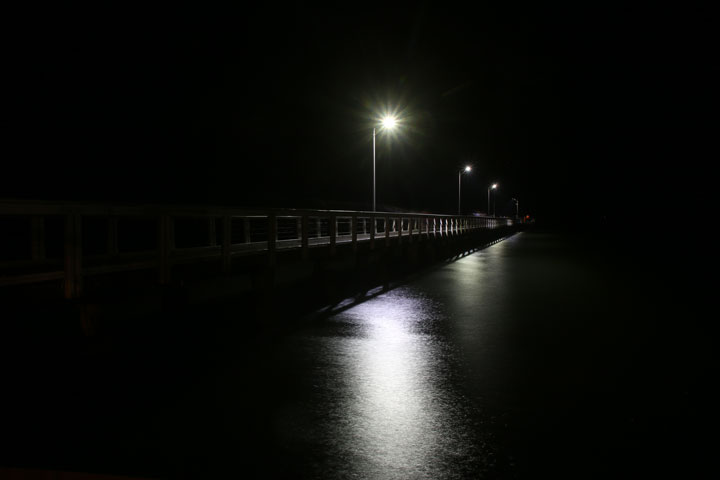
(243, 231)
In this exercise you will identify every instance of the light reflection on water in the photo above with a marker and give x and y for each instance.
(396, 415)
(496, 365)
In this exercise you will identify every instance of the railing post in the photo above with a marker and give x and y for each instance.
(73, 256)
(226, 243)
(246, 230)
(37, 232)
(305, 236)
(399, 229)
(353, 232)
(373, 230)
(332, 227)
(387, 231)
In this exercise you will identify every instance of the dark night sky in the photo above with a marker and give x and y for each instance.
(571, 109)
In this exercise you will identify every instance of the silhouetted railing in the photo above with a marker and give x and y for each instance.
(44, 241)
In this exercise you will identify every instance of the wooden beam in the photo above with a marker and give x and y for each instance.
(246, 230)
(73, 256)
(353, 231)
(387, 231)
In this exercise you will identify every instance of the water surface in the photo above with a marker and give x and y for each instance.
(541, 356)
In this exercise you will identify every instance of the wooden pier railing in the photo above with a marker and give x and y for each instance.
(44, 241)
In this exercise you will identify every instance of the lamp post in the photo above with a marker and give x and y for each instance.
(466, 169)
(491, 187)
(387, 123)
(516, 207)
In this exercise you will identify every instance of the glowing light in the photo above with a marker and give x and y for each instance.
(468, 168)
(389, 122)
(494, 186)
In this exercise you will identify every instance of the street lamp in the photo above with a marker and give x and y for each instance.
(491, 187)
(388, 123)
(466, 169)
(516, 207)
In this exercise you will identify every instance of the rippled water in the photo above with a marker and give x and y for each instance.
(383, 389)
(531, 357)
(540, 356)
(385, 382)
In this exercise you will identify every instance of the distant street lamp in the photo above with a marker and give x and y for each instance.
(516, 207)
(389, 123)
(491, 187)
(466, 169)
